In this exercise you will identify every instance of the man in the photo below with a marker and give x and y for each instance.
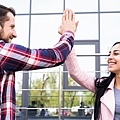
(32, 112)
(15, 57)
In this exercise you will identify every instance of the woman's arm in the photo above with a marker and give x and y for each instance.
(79, 75)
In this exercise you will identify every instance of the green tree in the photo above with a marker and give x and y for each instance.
(48, 98)
(72, 98)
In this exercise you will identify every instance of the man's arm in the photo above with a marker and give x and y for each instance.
(16, 57)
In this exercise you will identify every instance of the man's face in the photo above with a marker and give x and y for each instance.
(7, 32)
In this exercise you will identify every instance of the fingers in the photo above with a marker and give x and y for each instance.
(69, 15)
(63, 17)
(76, 25)
(66, 14)
(73, 16)
(60, 30)
(68, 22)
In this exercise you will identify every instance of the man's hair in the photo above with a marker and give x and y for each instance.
(3, 13)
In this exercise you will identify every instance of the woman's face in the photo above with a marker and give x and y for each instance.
(114, 59)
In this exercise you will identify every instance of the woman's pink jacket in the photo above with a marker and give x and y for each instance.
(87, 81)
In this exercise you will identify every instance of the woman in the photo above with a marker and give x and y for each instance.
(106, 89)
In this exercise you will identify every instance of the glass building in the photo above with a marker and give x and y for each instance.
(52, 89)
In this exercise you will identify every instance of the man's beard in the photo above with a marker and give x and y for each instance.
(2, 36)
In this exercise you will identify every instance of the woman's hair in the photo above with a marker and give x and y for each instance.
(3, 14)
(101, 85)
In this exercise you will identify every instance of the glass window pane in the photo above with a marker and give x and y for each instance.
(87, 27)
(22, 29)
(20, 6)
(103, 59)
(18, 80)
(109, 5)
(86, 62)
(44, 88)
(110, 31)
(82, 5)
(104, 71)
(44, 30)
(47, 6)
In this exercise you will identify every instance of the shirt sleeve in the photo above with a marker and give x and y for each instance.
(79, 75)
(15, 57)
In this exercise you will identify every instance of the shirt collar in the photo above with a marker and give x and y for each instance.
(111, 85)
(3, 41)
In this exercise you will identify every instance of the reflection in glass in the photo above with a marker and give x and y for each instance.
(20, 6)
(22, 29)
(110, 31)
(86, 62)
(82, 5)
(88, 27)
(47, 6)
(44, 30)
(109, 5)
